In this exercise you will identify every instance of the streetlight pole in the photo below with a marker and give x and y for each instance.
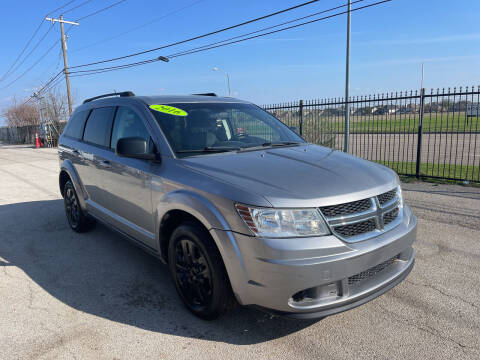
(228, 78)
(347, 83)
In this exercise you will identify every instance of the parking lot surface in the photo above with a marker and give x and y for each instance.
(96, 296)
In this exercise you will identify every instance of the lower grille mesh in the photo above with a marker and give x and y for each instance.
(355, 279)
(356, 228)
(390, 216)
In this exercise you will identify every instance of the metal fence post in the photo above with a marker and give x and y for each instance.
(420, 132)
(300, 111)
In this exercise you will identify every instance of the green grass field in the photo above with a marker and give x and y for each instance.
(452, 171)
(405, 123)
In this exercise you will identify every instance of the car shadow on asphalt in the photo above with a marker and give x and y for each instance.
(102, 274)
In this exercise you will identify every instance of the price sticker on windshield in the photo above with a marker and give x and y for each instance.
(169, 110)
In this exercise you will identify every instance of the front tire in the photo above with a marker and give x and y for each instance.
(198, 272)
(77, 219)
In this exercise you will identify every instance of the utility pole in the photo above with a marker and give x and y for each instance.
(64, 50)
(347, 83)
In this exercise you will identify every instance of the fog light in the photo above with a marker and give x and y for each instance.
(317, 293)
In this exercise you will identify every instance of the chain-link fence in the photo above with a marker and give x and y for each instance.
(26, 134)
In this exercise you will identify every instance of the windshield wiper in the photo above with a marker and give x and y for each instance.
(209, 149)
(283, 143)
(270, 144)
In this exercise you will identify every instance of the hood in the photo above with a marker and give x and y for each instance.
(299, 176)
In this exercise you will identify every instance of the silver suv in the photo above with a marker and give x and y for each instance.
(238, 205)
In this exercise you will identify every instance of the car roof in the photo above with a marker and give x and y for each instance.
(155, 100)
(162, 99)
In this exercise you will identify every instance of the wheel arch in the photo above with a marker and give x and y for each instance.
(68, 172)
(181, 206)
(189, 205)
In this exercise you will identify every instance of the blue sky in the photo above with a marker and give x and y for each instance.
(389, 42)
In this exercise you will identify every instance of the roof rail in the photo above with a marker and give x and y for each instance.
(122, 94)
(206, 94)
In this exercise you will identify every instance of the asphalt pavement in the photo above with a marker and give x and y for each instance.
(65, 295)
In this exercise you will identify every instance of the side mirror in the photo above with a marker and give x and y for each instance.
(295, 129)
(134, 147)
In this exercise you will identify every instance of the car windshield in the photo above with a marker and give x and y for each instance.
(196, 128)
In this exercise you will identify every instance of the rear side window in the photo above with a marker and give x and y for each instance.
(128, 124)
(99, 124)
(75, 125)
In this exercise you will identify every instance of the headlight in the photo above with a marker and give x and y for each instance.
(268, 222)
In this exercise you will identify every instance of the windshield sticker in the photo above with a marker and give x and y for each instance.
(169, 110)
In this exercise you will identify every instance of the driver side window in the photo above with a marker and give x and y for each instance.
(128, 124)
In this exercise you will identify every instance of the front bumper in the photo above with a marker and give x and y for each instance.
(355, 301)
(316, 277)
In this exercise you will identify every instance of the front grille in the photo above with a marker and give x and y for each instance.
(367, 274)
(356, 228)
(347, 208)
(363, 219)
(386, 197)
(390, 216)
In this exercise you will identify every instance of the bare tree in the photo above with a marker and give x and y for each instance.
(54, 107)
(22, 115)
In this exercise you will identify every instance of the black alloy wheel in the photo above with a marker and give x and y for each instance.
(77, 219)
(71, 207)
(193, 274)
(198, 272)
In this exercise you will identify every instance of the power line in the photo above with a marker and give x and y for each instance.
(138, 27)
(33, 65)
(57, 65)
(36, 62)
(264, 29)
(117, 67)
(53, 84)
(275, 31)
(55, 80)
(49, 49)
(50, 81)
(184, 41)
(76, 7)
(23, 50)
(101, 10)
(112, 68)
(47, 86)
(212, 46)
(199, 36)
(31, 51)
(30, 41)
(61, 7)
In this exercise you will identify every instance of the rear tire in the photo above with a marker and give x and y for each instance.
(77, 219)
(198, 272)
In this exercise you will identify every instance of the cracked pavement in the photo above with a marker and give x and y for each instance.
(95, 296)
